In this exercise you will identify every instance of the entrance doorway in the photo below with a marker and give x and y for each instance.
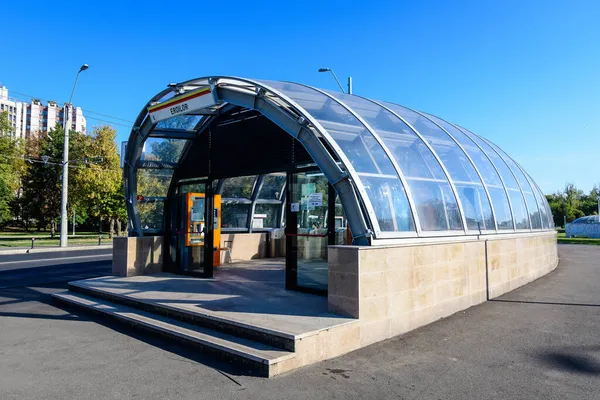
(313, 219)
(198, 229)
(310, 229)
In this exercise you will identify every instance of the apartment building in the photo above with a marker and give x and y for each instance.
(32, 118)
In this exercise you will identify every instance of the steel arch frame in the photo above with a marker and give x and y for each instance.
(292, 118)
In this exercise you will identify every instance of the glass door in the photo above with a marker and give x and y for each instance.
(195, 230)
(308, 231)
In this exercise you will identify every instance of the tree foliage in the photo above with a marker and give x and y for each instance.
(95, 179)
(572, 203)
(11, 166)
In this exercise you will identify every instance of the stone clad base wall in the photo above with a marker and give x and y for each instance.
(395, 289)
(513, 263)
(137, 255)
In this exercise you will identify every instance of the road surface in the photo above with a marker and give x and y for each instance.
(540, 341)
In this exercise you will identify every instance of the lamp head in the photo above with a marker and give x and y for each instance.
(84, 67)
(324, 69)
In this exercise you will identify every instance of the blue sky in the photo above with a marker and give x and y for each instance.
(524, 74)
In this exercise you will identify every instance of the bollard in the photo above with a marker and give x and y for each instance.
(99, 240)
(32, 242)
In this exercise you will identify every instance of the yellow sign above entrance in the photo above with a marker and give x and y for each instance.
(184, 104)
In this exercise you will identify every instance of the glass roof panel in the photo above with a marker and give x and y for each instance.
(488, 173)
(517, 201)
(364, 152)
(186, 122)
(541, 200)
(414, 158)
(166, 150)
(525, 186)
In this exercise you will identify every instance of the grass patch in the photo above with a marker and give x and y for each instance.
(576, 240)
(47, 241)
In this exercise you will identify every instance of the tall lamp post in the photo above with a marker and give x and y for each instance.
(338, 82)
(65, 166)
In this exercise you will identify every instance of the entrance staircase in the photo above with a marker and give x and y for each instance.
(255, 349)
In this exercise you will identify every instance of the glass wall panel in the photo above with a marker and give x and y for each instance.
(414, 158)
(548, 221)
(518, 205)
(476, 206)
(266, 216)
(517, 200)
(464, 172)
(535, 216)
(390, 203)
(234, 214)
(436, 203)
(153, 182)
(238, 187)
(361, 148)
(159, 149)
(501, 208)
(532, 204)
(489, 175)
(151, 214)
(272, 187)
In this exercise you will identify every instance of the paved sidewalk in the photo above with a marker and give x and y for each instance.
(540, 341)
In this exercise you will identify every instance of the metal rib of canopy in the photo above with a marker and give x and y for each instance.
(398, 172)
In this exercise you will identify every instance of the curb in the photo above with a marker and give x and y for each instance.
(54, 249)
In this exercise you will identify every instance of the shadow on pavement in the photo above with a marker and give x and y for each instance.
(569, 362)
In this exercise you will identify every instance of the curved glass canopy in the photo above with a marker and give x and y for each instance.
(398, 172)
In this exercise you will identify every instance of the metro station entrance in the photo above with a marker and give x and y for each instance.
(310, 218)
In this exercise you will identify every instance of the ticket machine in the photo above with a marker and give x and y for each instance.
(196, 229)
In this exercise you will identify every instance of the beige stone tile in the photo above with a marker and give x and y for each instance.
(423, 297)
(373, 284)
(338, 341)
(401, 303)
(398, 325)
(343, 259)
(442, 292)
(441, 272)
(419, 318)
(460, 287)
(494, 262)
(399, 258)
(372, 260)
(399, 280)
(375, 331)
(428, 255)
(374, 308)
(456, 252)
(458, 270)
(423, 276)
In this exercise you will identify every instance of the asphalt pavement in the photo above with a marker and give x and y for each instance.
(540, 341)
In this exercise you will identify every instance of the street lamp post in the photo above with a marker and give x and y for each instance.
(338, 82)
(65, 166)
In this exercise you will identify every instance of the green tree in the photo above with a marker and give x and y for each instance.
(11, 163)
(100, 182)
(42, 180)
(572, 203)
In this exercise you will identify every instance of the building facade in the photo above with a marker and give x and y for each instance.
(32, 118)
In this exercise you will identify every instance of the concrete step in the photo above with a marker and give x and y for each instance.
(261, 359)
(269, 337)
